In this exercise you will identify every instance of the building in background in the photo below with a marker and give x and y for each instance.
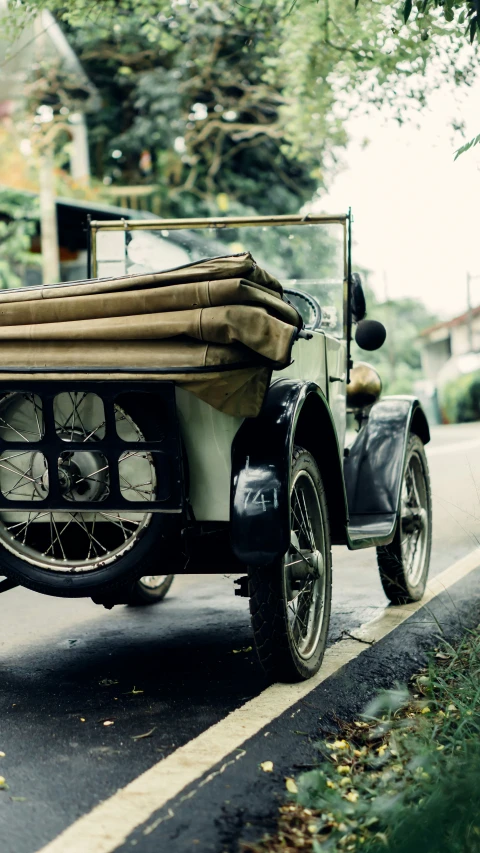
(450, 350)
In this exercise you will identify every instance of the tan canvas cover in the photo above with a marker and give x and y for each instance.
(205, 326)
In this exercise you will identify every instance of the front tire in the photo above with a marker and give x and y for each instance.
(290, 601)
(404, 564)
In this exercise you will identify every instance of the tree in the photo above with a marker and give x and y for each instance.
(190, 102)
(19, 217)
(241, 106)
(399, 360)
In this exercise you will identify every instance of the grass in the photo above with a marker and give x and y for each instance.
(405, 778)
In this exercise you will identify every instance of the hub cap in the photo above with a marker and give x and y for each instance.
(304, 567)
(414, 520)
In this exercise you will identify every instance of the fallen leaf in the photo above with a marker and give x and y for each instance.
(3, 782)
(2, 755)
(291, 785)
(426, 710)
(18, 799)
(442, 656)
(267, 766)
(338, 744)
(108, 723)
(312, 828)
(352, 796)
(147, 734)
(331, 784)
(451, 707)
(343, 768)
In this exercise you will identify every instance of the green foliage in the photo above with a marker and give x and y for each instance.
(403, 779)
(460, 399)
(467, 146)
(246, 103)
(399, 360)
(18, 223)
(199, 90)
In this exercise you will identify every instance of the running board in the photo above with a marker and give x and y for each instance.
(365, 531)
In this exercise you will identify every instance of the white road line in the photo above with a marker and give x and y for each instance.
(457, 447)
(108, 825)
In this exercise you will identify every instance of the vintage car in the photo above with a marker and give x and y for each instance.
(191, 409)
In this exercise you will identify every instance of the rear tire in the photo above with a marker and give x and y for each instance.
(404, 564)
(290, 608)
(150, 590)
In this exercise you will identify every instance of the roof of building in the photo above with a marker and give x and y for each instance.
(461, 320)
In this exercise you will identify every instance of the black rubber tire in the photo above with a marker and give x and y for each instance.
(141, 559)
(395, 582)
(143, 596)
(268, 606)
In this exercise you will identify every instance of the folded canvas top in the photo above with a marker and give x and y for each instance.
(204, 325)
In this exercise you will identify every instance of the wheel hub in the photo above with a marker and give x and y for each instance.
(82, 475)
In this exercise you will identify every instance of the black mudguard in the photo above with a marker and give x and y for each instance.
(261, 462)
(373, 469)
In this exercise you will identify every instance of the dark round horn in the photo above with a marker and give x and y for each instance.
(370, 334)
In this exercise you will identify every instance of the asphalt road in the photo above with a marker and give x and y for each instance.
(69, 667)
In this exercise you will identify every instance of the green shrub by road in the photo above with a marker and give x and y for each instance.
(403, 779)
(460, 398)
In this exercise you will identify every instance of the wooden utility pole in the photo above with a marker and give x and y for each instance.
(48, 217)
(469, 314)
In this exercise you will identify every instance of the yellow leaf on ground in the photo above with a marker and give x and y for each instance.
(352, 796)
(339, 744)
(426, 710)
(291, 785)
(267, 766)
(343, 768)
(331, 784)
(2, 780)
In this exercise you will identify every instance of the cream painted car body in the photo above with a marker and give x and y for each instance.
(208, 434)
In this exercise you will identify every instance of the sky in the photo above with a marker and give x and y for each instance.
(416, 211)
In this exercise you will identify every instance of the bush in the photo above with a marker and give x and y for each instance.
(460, 399)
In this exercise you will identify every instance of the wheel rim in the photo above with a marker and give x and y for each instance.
(152, 582)
(70, 540)
(304, 568)
(414, 520)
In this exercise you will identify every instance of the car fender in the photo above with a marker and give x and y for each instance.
(293, 412)
(374, 466)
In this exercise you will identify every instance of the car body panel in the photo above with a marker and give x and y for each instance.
(261, 454)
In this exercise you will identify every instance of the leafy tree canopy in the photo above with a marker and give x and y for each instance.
(236, 106)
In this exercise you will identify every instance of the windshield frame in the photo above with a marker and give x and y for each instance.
(343, 219)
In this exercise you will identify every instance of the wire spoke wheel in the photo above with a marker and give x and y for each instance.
(290, 601)
(43, 544)
(404, 564)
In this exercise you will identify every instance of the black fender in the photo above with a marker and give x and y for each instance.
(294, 412)
(374, 466)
